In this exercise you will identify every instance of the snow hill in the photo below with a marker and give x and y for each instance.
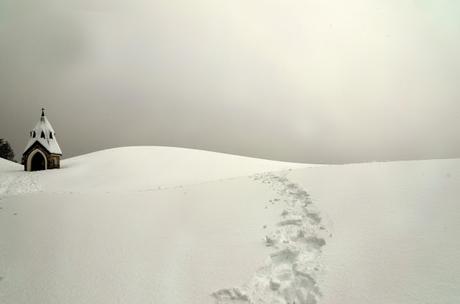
(170, 225)
(145, 168)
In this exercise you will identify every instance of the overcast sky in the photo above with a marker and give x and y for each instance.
(307, 81)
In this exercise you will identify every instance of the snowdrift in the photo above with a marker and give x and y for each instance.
(167, 225)
(6, 165)
(147, 168)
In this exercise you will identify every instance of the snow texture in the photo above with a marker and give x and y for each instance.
(290, 275)
(13, 181)
(148, 169)
(173, 226)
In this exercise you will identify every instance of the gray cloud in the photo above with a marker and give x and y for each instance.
(305, 81)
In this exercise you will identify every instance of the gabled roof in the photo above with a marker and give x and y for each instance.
(45, 135)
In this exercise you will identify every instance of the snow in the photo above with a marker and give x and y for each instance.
(395, 230)
(172, 225)
(150, 168)
(293, 268)
(6, 165)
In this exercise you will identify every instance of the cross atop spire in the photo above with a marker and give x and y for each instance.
(43, 112)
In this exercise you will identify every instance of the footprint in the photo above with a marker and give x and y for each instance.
(290, 275)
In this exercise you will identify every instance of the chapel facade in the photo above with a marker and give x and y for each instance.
(42, 151)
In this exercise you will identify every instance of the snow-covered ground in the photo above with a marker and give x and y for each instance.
(169, 225)
(145, 168)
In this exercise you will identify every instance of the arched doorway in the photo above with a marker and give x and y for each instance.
(38, 162)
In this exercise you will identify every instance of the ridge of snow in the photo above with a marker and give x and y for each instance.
(140, 168)
(7, 165)
(144, 168)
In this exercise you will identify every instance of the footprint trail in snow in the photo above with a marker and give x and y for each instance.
(290, 274)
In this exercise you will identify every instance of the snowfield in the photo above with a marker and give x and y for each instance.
(171, 225)
(147, 168)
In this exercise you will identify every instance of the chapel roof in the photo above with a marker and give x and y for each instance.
(44, 133)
